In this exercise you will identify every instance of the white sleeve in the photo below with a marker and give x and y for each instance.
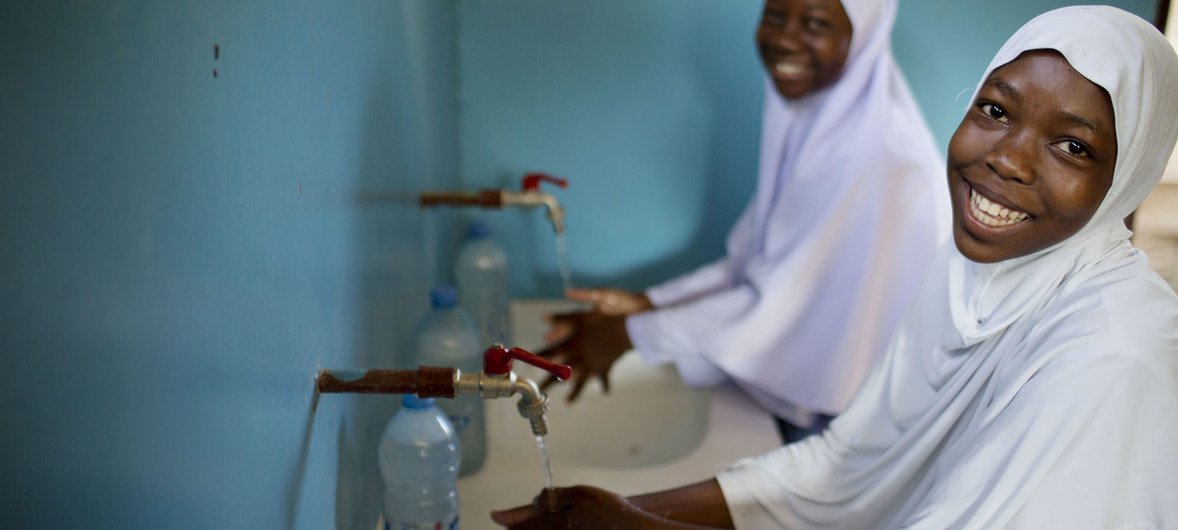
(700, 282)
(669, 334)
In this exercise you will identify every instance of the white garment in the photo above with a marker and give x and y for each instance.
(850, 206)
(1039, 392)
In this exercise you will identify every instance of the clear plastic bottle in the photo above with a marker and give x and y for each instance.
(419, 463)
(448, 337)
(481, 274)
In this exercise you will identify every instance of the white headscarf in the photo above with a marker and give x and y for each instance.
(1038, 392)
(993, 295)
(849, 209)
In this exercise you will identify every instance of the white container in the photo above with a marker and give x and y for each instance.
(447, 337)
(419, 464)
(481, 275)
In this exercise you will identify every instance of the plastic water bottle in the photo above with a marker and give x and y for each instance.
(447, 337)
(481, 274)
(419, 463)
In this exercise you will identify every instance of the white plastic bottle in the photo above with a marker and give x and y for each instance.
(481, 274)
(448, 337)
(419, 463)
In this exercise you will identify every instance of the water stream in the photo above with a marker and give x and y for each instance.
(562, 254)
(545, 466)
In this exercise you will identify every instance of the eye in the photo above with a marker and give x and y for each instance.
(1073, 147)
(993, 111)
(816, 24)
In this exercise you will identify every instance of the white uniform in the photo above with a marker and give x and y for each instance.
(1038, 392)
(850, 206)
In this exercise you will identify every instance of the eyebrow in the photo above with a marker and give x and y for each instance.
(1084, 122)
(1013, 93)
(1008, 90)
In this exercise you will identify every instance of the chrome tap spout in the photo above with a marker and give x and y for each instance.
(532, 199)
(532, 405)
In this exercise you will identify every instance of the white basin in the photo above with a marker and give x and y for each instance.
(649, 433)
(649, 417)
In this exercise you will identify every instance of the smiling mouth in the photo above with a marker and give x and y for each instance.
(790, 70)
(991, 213)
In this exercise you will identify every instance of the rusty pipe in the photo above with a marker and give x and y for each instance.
(482, 198)
(491, 198)
(426, 381)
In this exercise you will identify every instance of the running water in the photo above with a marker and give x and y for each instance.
(544, 465)
(562, 254)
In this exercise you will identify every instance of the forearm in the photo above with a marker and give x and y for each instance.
(700, 504)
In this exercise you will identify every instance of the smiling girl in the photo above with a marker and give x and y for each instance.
(1034, 383)
(848, 213)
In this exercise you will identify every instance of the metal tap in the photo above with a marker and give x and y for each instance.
(530, 196)
(495, 381)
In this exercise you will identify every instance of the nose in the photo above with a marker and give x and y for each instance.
(782, 37)
(1013, 158)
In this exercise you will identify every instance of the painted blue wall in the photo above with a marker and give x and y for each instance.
(180, 251)
(652, 110)
(649, 108)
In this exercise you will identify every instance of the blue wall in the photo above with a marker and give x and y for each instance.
(181, 251)
(652, 110)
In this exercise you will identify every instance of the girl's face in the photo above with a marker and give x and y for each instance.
(803, 44)
(1031, 160)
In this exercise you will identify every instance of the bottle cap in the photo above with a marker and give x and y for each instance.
(411, 401)
(443, 297)
(478, 230)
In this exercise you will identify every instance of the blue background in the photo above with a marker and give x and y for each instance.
(181, 251)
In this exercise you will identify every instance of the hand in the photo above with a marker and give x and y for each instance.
(694, 506)
(576, 507)
(604, 300)
(611, 301)
(592, 344)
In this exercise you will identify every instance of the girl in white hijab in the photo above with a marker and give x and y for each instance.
(1035, 382)
(848, 212)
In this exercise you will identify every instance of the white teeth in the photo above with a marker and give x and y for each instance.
(992, 213)
(785, 68)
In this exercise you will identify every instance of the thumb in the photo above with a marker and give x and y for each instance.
(582, 295)
(513, 516)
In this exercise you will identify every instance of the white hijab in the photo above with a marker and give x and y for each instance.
(1039, 392)
(850, 192)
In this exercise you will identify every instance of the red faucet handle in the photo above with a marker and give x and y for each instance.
(531, 181)
(497, 361)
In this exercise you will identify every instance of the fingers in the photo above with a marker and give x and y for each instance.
(553, 350)
(583, 295)
(547, 383)
(578, 385)
(514, 516)
(549, 501)
(546, 503)
(558, 331)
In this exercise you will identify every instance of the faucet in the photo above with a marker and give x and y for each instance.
(529, 197)
(496, 380)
